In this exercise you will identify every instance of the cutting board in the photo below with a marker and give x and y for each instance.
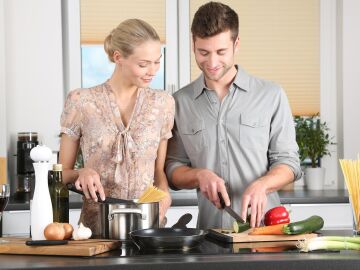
(89, 247)
(244, 237)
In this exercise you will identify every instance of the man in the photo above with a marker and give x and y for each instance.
(234, 133)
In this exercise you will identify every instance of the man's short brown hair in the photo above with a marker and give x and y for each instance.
(214, 18)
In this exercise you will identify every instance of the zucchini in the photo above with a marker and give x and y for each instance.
(311, 224)
(240, 227)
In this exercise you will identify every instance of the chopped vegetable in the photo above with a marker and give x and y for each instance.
(269, 230)
(276, 215)
(311, 224)
(240, 227)
(329, 243)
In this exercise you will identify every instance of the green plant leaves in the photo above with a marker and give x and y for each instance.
(313, 138)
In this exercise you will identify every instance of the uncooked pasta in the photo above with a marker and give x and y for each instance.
(351, 172)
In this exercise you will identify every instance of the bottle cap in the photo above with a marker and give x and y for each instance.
(57, 167)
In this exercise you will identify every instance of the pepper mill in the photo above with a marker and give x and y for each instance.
(41, 208)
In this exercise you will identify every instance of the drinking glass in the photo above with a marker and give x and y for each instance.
(4, 198)
(356, 222)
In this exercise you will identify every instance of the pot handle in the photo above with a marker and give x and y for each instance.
(125, 211)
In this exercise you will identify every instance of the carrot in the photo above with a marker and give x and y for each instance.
(268, 230)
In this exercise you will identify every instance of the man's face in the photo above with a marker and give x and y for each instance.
(215, 55)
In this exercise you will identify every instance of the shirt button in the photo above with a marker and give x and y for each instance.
(222, 141)
(224, 163)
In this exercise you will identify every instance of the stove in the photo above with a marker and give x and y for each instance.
(208, 247)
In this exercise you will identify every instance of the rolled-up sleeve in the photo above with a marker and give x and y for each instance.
(71, 116)
(176, 155)
(283, 148)
(168, 121)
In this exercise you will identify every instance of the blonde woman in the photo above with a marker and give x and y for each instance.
(122, 126)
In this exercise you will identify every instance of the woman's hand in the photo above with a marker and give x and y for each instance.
(163, 207)
(89, 182)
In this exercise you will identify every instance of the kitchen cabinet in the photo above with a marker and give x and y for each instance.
(336, 216)
(17, 222)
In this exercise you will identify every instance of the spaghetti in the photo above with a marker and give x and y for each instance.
(351, 172)
(151, 194)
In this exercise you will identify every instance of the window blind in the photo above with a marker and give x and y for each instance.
(99, 18)
(279, 41)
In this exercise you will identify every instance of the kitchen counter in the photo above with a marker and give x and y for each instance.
(189, 198)
(217, 256)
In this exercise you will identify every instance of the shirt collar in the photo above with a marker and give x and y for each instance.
(241, 82)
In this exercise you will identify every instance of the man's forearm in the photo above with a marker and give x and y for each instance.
(185, 177)
(277, 177)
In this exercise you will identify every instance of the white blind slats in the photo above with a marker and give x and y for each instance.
(98, 18)
(279, 41)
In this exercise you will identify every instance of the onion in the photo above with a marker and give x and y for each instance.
(54, 231)
(68, 230)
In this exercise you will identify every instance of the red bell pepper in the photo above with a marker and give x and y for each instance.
(277, 215)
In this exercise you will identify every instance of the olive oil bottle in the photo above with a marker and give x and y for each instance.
(59, 195)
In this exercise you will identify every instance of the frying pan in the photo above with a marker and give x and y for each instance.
(109, 200)
(178, 237)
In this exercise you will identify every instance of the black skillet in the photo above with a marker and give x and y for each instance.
(178, 237)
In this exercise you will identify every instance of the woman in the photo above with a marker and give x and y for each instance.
(122, 126)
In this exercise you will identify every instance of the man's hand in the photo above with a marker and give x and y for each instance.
(89, 182)
(210, 184)
(254, 196)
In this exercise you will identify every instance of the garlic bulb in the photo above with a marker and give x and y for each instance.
(40, 153)
(81, 233)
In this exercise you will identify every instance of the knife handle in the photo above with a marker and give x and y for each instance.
(45, 242)
(222, 202)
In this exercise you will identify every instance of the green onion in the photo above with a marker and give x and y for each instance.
(329, 243)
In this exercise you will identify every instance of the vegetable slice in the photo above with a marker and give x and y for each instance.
(240, 227)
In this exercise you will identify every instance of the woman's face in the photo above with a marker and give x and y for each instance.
(140, 67)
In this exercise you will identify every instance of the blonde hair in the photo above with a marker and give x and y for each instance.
(127, 36)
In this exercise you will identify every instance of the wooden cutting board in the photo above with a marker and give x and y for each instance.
(89, 247)
(244, 237)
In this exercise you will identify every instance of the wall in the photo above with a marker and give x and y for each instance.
(33, 72)
(2, 84)
(351, 78)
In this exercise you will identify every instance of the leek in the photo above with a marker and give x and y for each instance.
(329, 243)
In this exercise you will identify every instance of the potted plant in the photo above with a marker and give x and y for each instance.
(313, 139)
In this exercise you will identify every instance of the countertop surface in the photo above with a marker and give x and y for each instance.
(189, 198)
(210, 254)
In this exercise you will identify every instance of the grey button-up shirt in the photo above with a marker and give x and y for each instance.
(239, 138)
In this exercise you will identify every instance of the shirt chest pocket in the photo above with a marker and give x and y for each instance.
(254, 131)
(193, 137)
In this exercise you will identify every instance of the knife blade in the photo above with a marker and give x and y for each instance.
(229, 210)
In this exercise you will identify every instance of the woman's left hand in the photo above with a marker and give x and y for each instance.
(163, 207)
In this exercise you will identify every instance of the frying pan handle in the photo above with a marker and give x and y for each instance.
(126, 211)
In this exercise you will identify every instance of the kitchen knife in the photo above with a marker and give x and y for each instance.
(45, 242)
(229, 210)
(109, 200)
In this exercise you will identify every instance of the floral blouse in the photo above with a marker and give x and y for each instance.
(123, 156)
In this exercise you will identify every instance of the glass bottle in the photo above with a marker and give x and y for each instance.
(59, 195)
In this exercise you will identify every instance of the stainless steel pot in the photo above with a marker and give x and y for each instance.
(118, 220)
